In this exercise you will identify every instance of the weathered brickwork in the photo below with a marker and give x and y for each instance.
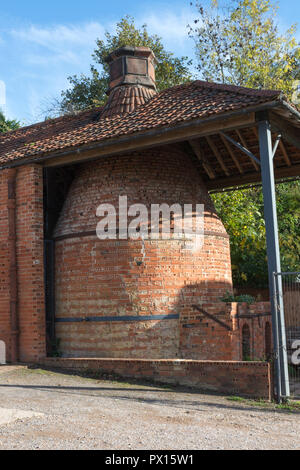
(202, 337)
(256, 317)
(22, 317)
(250, 379)
(30, 262)
(220, 336)
(115, 278)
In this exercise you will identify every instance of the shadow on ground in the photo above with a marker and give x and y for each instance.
(126, 391)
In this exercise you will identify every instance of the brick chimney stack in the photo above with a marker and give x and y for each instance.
(132, 79)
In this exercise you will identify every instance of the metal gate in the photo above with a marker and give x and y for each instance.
(291, 303)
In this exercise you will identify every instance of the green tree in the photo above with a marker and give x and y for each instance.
(90, 91)
(242, 213)
(239, 43)
(6, 124)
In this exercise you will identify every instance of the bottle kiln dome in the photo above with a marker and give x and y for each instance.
(119, 283)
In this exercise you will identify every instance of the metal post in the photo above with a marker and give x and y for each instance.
(273, 253)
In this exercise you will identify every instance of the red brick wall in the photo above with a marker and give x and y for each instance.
(30, 262)
(117, 278)
(202, 337)
(257, 326)
(28, 203)
(206, 339)
(251, 379)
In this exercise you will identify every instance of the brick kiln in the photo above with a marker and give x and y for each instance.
(129, 298)
(130, 293)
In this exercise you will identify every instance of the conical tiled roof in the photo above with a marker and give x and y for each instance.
(124, 99)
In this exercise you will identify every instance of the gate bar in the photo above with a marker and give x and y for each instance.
(273, 253)
(288, 274)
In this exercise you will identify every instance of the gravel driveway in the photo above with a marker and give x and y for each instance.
(47, 410)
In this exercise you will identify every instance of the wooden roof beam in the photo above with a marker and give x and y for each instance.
(195, 144)
(240, 147)
(290, 133)
(218, 155)
(285, 154)
(244, 143)
(231, 153)
(255, 177)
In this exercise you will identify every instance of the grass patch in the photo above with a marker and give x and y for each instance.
(238, 399)
(292, 406)
(38, 371)
(289, 406)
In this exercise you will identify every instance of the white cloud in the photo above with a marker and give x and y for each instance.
(169, 25)
(60, 43)
(70, 42)
(61, 34)
(41, 58)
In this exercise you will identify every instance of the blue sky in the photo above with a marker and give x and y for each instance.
(42, 43)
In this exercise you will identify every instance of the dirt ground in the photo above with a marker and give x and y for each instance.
(47, 410)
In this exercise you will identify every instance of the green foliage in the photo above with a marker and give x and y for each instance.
(240, 44)
(90, 91)
(293, 406)
(7, 125)
(228, 298)
(243, 217)
(288, 207)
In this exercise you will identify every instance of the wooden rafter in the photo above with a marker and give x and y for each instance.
(255, 177)
(195, 144)
(244, 143)
(288, 131)
(232, 154)
(285, 154)
(256, 132)
(218, 155)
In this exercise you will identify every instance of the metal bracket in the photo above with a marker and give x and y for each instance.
(212, 317)
(278, 139)
(241, 147)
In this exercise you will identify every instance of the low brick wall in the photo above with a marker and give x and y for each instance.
(251, 379)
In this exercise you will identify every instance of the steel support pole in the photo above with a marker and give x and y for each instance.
(273, 253)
